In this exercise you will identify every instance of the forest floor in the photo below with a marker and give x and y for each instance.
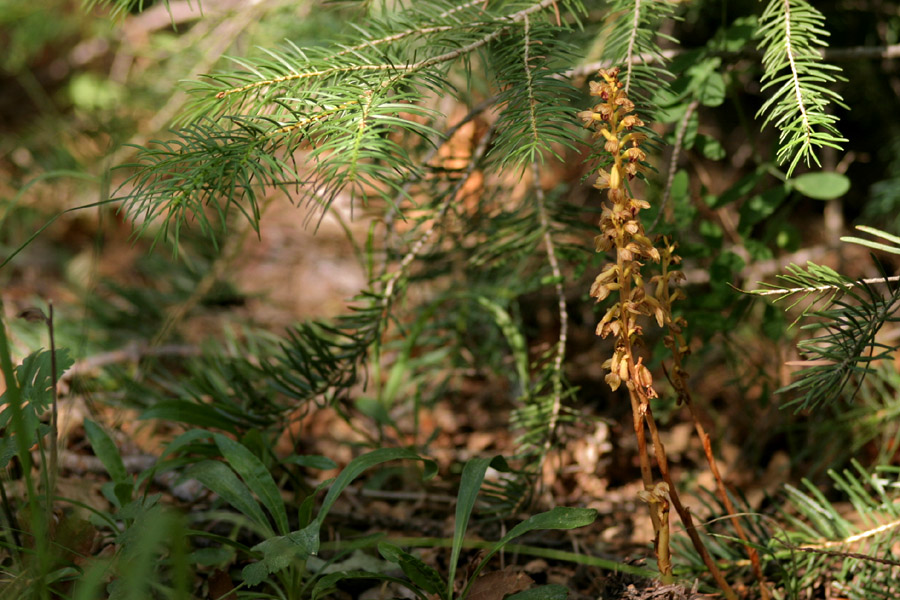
(293, 273)
(298, 269)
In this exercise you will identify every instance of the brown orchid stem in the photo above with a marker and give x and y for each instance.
(676, 344)
(722, 492)
(683, 512)
(661, 549)
(622, 232)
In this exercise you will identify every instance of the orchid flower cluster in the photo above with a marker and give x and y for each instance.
(615, 122)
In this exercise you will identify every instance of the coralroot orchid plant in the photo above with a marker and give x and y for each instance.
(621, 231)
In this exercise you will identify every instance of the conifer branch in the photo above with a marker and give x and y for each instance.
(402, 70)
(673, 161)
(414, 31)
(436, 222)
(791, 33)
(629, 53)
(529, 84)
(831, 287)
(560, 355)
(858, 537)
(795, 75)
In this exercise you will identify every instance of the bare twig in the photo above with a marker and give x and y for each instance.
(131, 353)
(841, 554)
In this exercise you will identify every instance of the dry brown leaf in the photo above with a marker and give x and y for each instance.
(220, 586)
(496, 585)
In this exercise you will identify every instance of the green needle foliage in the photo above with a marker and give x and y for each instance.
(791, 36)
(634, 42)
(355, 110)
(841, 319)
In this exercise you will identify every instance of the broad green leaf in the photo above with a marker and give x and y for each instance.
(680, 192)
(709, 147)
(362, 463)
(220, 479)
(255, 573)
(824, 185)
(553, 591)
(560, 517)
(280, 551)
(390, 552)
(469, 485)
(105, 449)
(737, 36)
(257, 477)
(759, 206)
(322, 463)
(740, 189)
(185, 440)
(193, 413)
(691, 128)
(706, 82)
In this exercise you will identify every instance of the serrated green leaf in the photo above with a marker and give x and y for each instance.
(422, 575)
(709, 147)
